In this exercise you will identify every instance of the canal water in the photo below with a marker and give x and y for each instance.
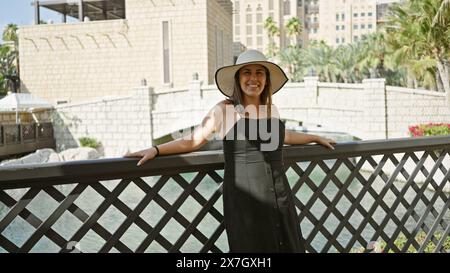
(43, 205)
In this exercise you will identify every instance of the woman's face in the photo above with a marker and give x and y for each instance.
(252, 79)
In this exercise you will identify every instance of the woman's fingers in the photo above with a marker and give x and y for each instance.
(144, 159)
(327, 143)
(144, 154)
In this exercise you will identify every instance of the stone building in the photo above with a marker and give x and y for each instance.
(333, 21)
(118, 43)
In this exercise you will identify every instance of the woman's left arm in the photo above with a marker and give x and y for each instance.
(292, 138)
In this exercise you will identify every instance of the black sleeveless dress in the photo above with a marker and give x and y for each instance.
(259, 210)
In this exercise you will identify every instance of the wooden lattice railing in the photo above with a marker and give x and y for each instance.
(349, 199)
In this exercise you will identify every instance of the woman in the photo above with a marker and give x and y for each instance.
(259, 210)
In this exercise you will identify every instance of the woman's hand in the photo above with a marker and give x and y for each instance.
(146, 155)
(325, 142)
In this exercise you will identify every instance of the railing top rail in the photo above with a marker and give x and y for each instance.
(89, 171)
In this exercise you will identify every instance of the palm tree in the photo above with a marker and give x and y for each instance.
(443, 13)
(10, 33)
(372, 55)
(346, 63)
(292, 58)
(7, 68)
(321, 58)
(9, 57)
(272, 31)
(419, 33)
(293, 29)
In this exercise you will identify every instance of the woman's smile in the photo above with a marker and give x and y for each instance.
(252, 79)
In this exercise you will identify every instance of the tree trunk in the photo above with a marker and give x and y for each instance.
(411, 81)
(443, 69)
(439, 85)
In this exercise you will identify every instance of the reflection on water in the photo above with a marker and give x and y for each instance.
(43, 206)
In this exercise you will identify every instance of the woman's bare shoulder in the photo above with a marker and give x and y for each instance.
(224, 103)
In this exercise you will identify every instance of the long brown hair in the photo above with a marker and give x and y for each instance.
(265, 97)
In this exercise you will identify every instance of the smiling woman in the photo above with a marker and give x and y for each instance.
(259, 210)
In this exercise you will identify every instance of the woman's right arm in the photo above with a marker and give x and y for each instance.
(189, 143)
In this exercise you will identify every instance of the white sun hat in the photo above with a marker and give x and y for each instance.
(225, 75)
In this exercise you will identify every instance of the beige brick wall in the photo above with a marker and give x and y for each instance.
(407, 107)
(220, 40)
(357, 109)
(120, 124)
(81, 61)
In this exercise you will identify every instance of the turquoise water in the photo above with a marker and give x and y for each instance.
(43, 205)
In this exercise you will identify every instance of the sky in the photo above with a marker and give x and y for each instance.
(21, 12)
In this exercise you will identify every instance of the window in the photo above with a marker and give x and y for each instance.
(249, 30)
(343, 16)
(259, 41)
(337, 17)
(249, 18)
(259, 18)
(315, 30)
(166, 51)
(355, 14)
(237, 30)
(337, 40)
(363, 26)
(342, 27)
(237, 19)
(315, 19)
(249, 41)
(355, 26)
(271, 5)
(363, 14)
(287, 7)
(259, 29)
(355, 38)
(369, 26)
(342, 40)
(369, 14)
(337, 27)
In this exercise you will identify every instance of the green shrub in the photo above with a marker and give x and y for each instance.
(89, 142)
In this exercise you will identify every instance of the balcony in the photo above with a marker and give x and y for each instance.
(360, 195)
(311, 9)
